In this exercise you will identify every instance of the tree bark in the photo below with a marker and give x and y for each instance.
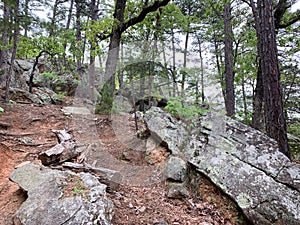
(173, 70)
(78, 4)
(93, 14)
(26, 15)
(14, 49)
(201, 71)
(184, 73)
(30, 82)
(258, 121)
(67, 28)
(4, 38)
(267, 51)
(112, 59)
(229, 74)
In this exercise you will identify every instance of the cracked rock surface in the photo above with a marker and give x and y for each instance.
(61, 197)
(242, 161)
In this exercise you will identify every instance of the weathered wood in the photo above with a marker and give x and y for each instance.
(15, 134)
(59, 153)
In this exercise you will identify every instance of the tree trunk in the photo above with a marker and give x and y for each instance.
(53, 19)
(67, 28)
(26, 16)
(218, 62)
(229, 75)
(201, 71)
(245, 106)
(267, 51)
(112, 59)
(30, 82)
(14, 49)
(93, 15)
(173, 63)
(184, 73)
(78, 36)
(121, 73)
(4, 38)
(258, 121)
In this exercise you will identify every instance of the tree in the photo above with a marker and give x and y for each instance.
(16, 29)
(119, 27)
(275, 122)
(93, 15)
(4, 39)
(229, 74)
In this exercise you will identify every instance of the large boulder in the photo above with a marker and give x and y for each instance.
(246, 164)
(39, 96)
(20, 74)
(61, 197)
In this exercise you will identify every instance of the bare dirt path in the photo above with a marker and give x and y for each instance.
(25, 131)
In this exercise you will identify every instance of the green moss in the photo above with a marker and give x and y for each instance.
(106, 102)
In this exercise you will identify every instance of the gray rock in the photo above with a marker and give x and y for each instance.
(48, 202)
(167, 128)
(69, 110)
(246, 164)
(176, 169)
(177, 190)
(160, 222)
(19, 95)
(47, 96)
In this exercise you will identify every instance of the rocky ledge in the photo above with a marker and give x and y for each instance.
(241, 161)
(61, 197)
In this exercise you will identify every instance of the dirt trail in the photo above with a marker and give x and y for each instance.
(25, 131)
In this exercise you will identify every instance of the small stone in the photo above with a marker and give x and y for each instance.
(142, 209)
(160, 222)
(176, 169)
(177, 190)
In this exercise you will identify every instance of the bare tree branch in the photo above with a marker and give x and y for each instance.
(293, 20)
(137, 19)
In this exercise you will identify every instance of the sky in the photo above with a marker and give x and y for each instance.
(296, 6)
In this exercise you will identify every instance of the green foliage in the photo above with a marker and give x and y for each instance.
(79, 189)
(1, 110)
(50, 75)
(107, 97)
(60, 95)
(30, 47)
(294, 128)
(186, 112)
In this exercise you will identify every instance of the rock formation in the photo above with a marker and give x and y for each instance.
(61, 197)
(241, 161)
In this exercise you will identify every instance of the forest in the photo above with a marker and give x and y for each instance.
(248, 50)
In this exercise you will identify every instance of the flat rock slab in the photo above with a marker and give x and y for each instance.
(241, 161)
(61, 197)
(76, 110)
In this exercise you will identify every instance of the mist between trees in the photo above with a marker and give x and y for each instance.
(202, 49)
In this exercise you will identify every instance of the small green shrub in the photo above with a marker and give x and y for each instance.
(186, 112)
(50, 75)
(106, 102)
(59, 95)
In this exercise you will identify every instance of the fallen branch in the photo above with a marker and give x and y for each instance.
(15, 135)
